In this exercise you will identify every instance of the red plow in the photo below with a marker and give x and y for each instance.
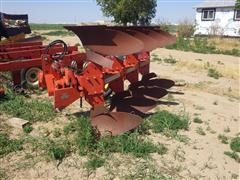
(113, 54)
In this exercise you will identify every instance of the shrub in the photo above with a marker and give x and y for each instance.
(186, 29)
(235, 144)
(214, 73)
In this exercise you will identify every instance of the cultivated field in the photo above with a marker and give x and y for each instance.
(192, 134)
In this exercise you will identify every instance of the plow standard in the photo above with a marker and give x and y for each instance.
(113, 54)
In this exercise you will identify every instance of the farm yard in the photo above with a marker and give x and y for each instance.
(193, 133)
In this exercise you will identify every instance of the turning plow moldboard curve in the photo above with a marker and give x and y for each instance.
(113, 54)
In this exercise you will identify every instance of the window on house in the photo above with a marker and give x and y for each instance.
(208, 14)
(237, 15)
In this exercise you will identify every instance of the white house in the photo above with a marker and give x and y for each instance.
(218, 17)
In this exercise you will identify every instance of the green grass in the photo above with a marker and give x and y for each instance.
(29, 109)
(97, 148)
(165, 120)
(55, 149)
(46, 26)
(8, 145)
(235, 144)
(223, 138)
(233, 155)
(214, 73)
(59, 33)
(132, 143)
(200, 45)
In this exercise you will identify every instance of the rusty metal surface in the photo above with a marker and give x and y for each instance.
(163, 38)
(107, 41)
(149, 43)
(113, 123)
(172, 39)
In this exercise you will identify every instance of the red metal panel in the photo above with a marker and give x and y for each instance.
(35, 53)
(19, 44)
(20, 64)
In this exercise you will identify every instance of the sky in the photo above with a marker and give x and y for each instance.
(76, 11)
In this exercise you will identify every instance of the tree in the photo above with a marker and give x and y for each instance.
(238, 4)
(129, 11)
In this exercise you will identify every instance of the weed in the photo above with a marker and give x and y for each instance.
(233, 155)
(59, 33)
(57, 132)
(214, 73)
(235, 144)
(175, 135)
(3, 174)
(197, 120)
(227, 130)
(156, 58)
(179, 154)
(186, 28)
(211, 130)
(85, 138)
(57, 153)
(170, 60)
(145, 170)
(95, 161)
(234, 176)
(27, 128)
(164, 120)
(8, 145)
(200, 131)
(22, 107)
(223, 138)
(69, 128)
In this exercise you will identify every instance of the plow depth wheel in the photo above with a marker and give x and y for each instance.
(30, 76)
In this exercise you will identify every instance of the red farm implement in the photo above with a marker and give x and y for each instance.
(112, 56)
(23, 60)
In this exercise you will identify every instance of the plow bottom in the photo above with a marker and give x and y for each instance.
(115, 123)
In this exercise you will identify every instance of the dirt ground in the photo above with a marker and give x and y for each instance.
(215, 101)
